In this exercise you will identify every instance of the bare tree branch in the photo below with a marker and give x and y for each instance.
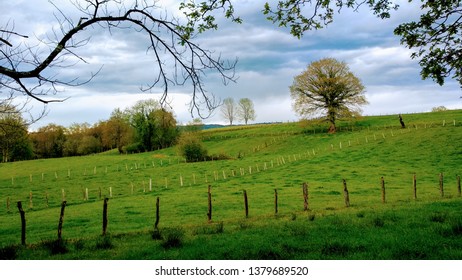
(26, 70)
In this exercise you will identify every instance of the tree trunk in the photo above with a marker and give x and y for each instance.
(331, 119)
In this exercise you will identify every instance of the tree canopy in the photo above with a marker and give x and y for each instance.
(246, 110)
(435, 37)
(327, 87)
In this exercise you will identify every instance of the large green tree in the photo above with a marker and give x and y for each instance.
(435, 37)
(155, 127)
(327, 87)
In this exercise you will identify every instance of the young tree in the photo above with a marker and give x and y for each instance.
(117, 132)
(327, 87)
(245, 110)
(228, 110)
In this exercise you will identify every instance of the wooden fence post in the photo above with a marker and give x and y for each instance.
(105, 215)
(246, 204)
(383, 189)
(61, 220)
(305, 196)
(458, 186)
(23, 223)
(209, 209)
(441, 185)
(275, 201)
(156, 224)
(414, 186)
(346, 194)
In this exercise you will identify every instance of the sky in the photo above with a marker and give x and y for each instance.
(268, 60)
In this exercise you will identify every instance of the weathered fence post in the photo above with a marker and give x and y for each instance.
(441, 185)
(458, 186)
(246, 204)
(346, 194)
(209, 208)
(156, 224)
(23, 223)
(105, 215)
(275, 201)
(305, 196)
(61, 220)
(414, 186)
(383, 189)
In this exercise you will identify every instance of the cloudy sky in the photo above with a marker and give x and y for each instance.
(268, 59)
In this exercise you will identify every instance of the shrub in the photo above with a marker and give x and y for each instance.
(133, 148)
(190, 146)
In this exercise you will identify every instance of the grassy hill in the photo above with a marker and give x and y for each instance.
(265, 158)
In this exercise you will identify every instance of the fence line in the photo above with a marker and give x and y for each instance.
(105, 220)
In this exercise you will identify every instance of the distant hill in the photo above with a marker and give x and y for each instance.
(210, 126)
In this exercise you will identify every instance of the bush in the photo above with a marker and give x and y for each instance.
(133, 148)
(190, 146)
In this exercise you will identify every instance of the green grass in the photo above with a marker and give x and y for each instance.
(277, 156)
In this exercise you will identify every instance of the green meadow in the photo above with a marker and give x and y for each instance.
(263, 159)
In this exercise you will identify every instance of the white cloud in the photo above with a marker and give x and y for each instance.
(269, 58)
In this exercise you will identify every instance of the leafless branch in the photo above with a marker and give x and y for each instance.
(33, 70)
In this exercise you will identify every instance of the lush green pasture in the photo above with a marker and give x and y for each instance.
(264, 158)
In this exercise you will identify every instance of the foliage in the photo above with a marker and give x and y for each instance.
(439, 109)
(14, 141)
(190, 146)
(49, 141)
(328, 87)
(228, 110)
(436, 36)
(195, 125)
(117, 131)
(155, 128)
(401, 228)
(245, 110)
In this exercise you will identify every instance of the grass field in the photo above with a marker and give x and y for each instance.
(265, 158)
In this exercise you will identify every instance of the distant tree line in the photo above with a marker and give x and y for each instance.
(145, 126)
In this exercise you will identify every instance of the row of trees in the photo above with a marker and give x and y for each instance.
(145, 126)
(244, 110)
